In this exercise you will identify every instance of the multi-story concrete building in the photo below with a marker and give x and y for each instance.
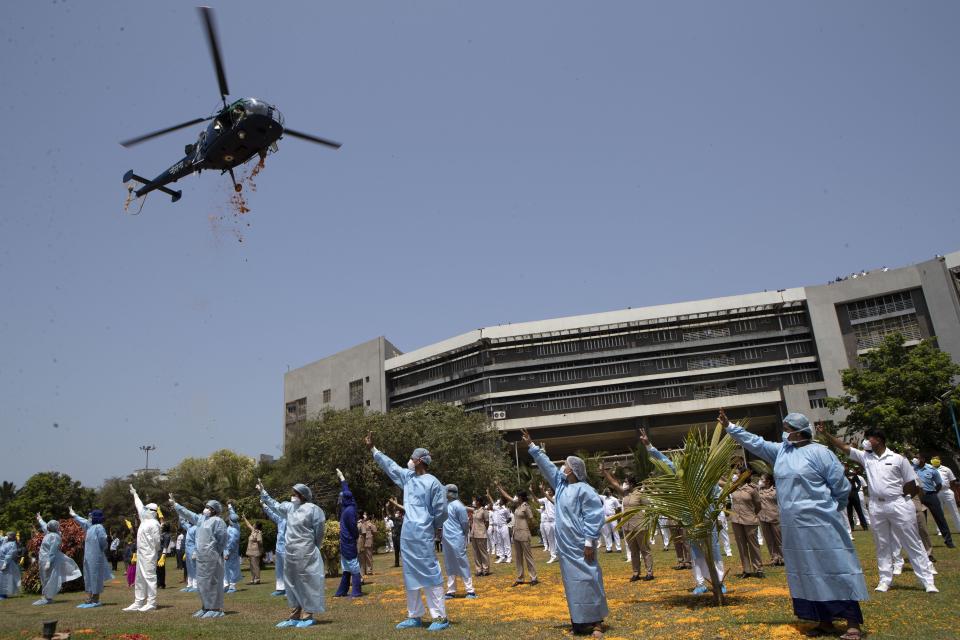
(590, 382)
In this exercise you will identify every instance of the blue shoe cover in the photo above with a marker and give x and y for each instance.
(94, 605)
(199, 613)
(185, 590)
(439, 625)
(41, 602)
(83, 605)
(472, 596)
(449, 596)
(303, 624)
(279, 592)
(410, 623)
(287, 623)
(702, 588)
(723, 588)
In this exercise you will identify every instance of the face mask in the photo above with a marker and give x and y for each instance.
(935, 462)
(411, 465)
(625, 486)
(295, 500)
(207, 512)
(915, 462)
(734, 477)
(786, 439)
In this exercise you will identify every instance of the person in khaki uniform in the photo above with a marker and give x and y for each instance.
(770, 519)
(522, 554)
(478, 537)
(636, 537)
(367, 530)
(254, 549)
(746, 506)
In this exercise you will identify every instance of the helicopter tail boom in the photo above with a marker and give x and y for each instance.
(130, 175)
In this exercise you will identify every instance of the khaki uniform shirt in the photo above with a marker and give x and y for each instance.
(769, 511)
(633, 500)
(521, 522)
(479, 527)
(255, 543)
(367, 530)
(746, 505)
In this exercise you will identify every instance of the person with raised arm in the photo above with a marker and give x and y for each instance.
(54, 567)
(280, 588)
(254, 549)
(209, 546)
(638, 544)
(523, 555)
(349, 534)
(148, 553)
(96, 567)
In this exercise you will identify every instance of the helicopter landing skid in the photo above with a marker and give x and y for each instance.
(130, 175)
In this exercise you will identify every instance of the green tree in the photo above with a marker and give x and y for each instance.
(466, 451)
(8, 491)
(51, 494)
(898, 389)
(223, 476)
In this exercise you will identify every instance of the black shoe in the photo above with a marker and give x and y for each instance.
(745, 575)
(759, 574)
(649, 576)
(634, 578)
(950, 545)
(931, 558)
(534, 582)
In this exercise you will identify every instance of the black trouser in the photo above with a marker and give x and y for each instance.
(114, 559)
(161, 576)
(931, 501)
(396, 551)
(179, 558)
(853, 502)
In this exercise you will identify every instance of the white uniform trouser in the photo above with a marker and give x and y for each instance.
(863, 507)
(145, 586)
(503, 540)
(701, 571)
(950, 510)
(894, 522)
(664, 531)
(452, 582)
(610, 536)
(435, 602)
(724, 533)
(548, 533)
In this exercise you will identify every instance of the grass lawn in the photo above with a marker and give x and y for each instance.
(663, 608)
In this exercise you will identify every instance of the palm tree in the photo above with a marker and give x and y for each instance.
(8, 491)
(689, 493)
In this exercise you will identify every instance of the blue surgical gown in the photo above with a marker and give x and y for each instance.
(455, 531)
(281, 523)
(55, 567)
(303, 571)
(96, 568)
(190, 547)
(210, 541)
(9, 568)
(579, 517)
(232, 568)
(821, 564)
(425, 506)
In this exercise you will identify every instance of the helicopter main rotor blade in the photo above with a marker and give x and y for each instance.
(308, 137)
(148, 136)
(207, 14)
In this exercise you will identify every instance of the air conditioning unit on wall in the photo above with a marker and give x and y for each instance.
(499, 415)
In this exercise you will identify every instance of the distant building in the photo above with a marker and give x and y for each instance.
(590, 382)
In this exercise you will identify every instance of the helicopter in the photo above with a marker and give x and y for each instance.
(237, 132)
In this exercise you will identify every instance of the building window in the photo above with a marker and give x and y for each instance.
(564, 404)
(623, 397)
(555, 348)
(608, 342)
(706, 334)
(871, 334)
(743, 326)
(297, 411)
(704, 391)
(800, 348)
(666, 364)
(671, 392)
(793, 320)
(755, 383)
(667, 335)
(750, 354)
(873, 307)
(561, 375)
(710, 362)
(818, 398)
(356, 393)
(618, 369)
(803, 377)
(326, 396)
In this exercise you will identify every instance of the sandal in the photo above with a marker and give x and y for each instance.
(852, 634)
(817, 632)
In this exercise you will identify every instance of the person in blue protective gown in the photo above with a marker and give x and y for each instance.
(96, 567)
(823, 571)
(280, 588)
(579, 519)
(190, 554)
(456, 528)
(9, 567)
(55, 568)
(231, 555)
(425, 505)
(349, 533)
(304, 573)
(211, 541)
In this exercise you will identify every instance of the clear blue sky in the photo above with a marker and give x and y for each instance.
(502, 161)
